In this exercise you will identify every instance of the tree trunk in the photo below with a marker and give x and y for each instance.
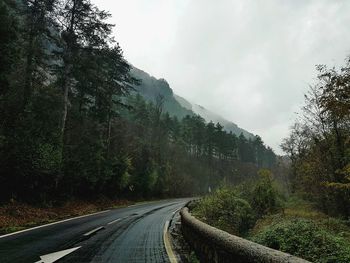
(27, 92)
(68, 67)
(339, 145)
(65, 106)
(109, 133)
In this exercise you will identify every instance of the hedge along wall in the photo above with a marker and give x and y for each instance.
(214, 245)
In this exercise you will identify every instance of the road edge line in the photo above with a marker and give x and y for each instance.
(167, 244)
(53, 223)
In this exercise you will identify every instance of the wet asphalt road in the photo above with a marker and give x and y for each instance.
(131, 234)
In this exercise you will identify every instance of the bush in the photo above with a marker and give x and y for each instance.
(264, 196)
(306, 239)
(224, 210)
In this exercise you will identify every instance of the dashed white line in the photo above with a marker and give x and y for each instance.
(94, 231)
(176, 211)
(114, 221)
(117, 220)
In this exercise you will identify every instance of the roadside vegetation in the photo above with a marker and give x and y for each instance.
(236, 209)
(256, 211)
(319, 143)
(302, 230)
(225, 210)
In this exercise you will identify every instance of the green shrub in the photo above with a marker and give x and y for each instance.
(264, 197)
(224, 210)
(305, 239)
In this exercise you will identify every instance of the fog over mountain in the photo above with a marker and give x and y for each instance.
(150, 88)
(214, 117)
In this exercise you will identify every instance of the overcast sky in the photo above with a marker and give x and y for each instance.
(247, 60)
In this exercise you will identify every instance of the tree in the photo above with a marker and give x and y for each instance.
(83, 28)
(9, 43)
(245, 149)
(38, 15)
(318, 145)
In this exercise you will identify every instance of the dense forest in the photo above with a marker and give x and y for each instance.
(319, 143)
(71, 127)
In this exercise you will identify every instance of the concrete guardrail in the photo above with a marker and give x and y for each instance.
(214, 245)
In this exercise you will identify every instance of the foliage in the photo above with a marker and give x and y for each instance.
(304, 238)
(223, 209)
(302, 230)
(235, 209)
(264, 196)
(319, 143)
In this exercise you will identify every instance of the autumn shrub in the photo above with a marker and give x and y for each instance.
(305, 238)
(225, 210)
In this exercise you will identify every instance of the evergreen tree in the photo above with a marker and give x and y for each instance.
(83, 29)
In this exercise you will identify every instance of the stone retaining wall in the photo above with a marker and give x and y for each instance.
(214, 245)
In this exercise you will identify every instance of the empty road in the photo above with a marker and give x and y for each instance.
(130, 234)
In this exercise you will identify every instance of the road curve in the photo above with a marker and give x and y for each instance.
(131, 234)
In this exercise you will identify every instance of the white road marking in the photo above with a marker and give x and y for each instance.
(167, 244)
(176, 211)
(117, 220)
(93, 231)
(52, 257)
(114, 221)
(54, 223)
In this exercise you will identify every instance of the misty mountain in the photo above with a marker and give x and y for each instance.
(211, 116)
(151, 87)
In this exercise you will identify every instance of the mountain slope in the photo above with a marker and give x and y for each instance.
(211, 116)
(150, 88)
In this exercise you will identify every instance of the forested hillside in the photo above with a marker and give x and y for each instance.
(73, 127)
